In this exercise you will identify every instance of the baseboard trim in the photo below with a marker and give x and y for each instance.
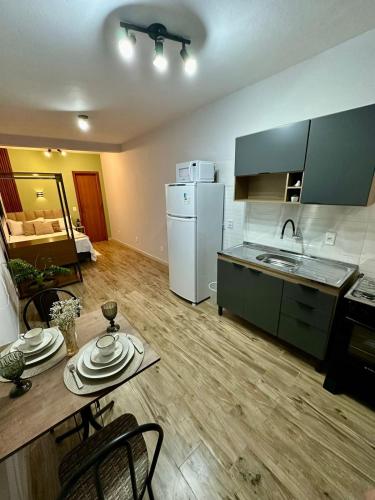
(142, 252)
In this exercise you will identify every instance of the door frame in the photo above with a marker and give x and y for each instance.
(96, 174)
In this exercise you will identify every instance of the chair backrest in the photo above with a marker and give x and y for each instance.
(96, 460)
(43, 301)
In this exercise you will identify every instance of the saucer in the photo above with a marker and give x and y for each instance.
(106, 371)
(50, 350)
(88, 351)
(20, 345)
(98, 358)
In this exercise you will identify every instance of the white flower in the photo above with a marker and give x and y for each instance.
(64, 312)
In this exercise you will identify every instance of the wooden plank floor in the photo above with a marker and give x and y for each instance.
(244, 416)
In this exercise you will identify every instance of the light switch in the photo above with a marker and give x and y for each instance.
(74, 209)
(330, 238)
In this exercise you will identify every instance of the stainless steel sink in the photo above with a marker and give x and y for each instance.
(329, 272)
(280, 261)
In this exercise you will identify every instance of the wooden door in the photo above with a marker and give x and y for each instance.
(90, 204)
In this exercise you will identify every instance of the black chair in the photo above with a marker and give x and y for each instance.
(112, 464)
(43, 301)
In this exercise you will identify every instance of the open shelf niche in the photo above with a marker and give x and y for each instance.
(271, 188)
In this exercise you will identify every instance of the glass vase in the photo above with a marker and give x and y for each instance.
(70, 336)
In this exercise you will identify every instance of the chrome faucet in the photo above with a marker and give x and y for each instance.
(293, 227)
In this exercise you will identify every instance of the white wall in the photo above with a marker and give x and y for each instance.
(338, 79)
(9, 305)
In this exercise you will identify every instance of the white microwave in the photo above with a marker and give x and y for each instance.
(195, 171)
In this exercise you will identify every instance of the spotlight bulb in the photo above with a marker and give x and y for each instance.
(83, 123)
(126, 46)
(190, 63)
(48, 153)
(160, 62)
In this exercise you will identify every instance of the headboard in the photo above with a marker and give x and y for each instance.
(35, 214)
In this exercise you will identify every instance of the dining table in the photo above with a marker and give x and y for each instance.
(48, 403)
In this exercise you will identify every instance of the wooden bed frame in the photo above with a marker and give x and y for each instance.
(58, 250)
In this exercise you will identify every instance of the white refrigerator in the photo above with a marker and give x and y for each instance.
(195, 235)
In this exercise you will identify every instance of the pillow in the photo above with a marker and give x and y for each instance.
(43, 228)
(61, 222)
(48, 214)
(56, 226)
(15, 227)
(28, 228)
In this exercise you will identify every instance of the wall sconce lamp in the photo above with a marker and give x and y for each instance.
(40, 194)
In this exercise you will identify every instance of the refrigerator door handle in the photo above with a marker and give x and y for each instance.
(191, 173)
(176, 217)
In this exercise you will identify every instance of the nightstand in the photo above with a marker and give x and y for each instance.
(80, 229)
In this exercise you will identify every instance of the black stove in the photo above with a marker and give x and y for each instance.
(363, 291)
(351, 365)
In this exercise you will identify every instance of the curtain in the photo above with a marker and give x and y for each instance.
(8, 186)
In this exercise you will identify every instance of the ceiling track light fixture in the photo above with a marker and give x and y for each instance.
(83, 122)
(48, 152)
(159, 33)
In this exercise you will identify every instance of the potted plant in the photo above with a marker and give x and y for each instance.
(64, 313)
(36, 280)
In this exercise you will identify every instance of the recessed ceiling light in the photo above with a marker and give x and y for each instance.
(190, 63)
(48, 153)
(160, 62)
(126, 46)
(83, 123)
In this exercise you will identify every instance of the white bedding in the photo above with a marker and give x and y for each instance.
(83, 243)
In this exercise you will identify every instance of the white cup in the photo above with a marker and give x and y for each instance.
(106, 344)
(33, 337)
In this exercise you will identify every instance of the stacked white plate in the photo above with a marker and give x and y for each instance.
(93, 365)
(51, 343)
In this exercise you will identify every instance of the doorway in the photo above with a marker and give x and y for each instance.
(90, 204)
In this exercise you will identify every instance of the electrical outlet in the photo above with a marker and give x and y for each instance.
(74, 209)
(136, 239)
(161, 248)
(330, 238)
(229, 224)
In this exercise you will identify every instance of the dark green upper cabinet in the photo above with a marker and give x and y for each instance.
(281, 149)
(340, 158)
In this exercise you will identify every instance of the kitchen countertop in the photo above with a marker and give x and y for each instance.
(329, 272)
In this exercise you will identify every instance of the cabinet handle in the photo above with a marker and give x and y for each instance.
(303, 322)
(309, 288)
(306, 306)
(238, 266)
(255, 271)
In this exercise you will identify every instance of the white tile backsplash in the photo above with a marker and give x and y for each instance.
(262, 223)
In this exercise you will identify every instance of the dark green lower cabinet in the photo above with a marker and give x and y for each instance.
(262, 299)
(230, 285)
(304, 336)
(298, 314)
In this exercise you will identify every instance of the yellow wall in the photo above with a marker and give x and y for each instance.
(31, 160)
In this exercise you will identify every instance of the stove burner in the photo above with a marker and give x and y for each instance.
(365, 295)
(364, 289)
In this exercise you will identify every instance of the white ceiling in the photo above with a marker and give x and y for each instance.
(60, 57)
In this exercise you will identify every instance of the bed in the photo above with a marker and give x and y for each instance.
(82, 242)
